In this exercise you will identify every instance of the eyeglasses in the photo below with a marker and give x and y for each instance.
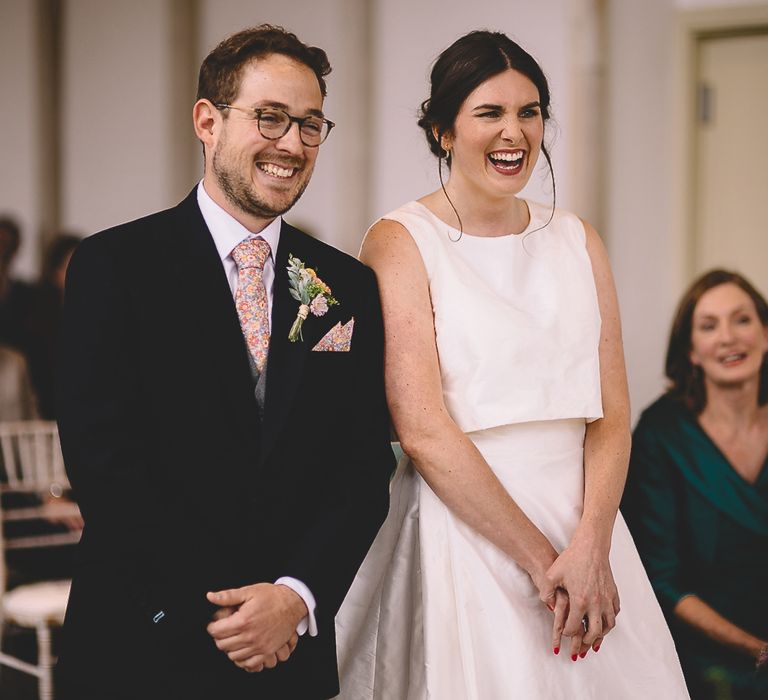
(275, 123)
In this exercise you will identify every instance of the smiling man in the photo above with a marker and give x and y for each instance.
(222, 412)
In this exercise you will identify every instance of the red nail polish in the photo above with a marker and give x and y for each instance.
(596, 649)
(583, 654)
(574, 657)
(556, 650)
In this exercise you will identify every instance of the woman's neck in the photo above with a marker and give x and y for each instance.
(481, 214)
(733, 406)
(739, 427)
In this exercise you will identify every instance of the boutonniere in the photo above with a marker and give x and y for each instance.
(313, 295)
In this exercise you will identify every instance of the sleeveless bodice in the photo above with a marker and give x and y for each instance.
(516, 318)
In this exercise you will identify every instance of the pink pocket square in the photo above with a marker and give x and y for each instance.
(338, 339)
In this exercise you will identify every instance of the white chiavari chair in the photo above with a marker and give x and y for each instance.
(31, 465)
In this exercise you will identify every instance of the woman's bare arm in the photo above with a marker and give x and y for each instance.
(583, 568)
(447, 460)
(698, 614)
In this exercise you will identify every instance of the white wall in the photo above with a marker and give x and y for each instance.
(646, 190)
(20, 177)
(119, 118)
(646, 253)
(701, 4)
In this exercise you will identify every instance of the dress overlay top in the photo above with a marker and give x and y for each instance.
(517, 302)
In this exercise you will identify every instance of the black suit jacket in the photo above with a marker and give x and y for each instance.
(183, 487)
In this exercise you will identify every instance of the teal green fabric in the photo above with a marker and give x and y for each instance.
(700, 529)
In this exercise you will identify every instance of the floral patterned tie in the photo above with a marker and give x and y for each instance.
(251, 297)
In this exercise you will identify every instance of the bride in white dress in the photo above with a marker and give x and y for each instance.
(499, 570)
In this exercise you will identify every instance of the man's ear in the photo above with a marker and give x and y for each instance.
(207, 121)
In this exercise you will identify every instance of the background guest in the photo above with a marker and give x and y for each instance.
(26, 393)
(18, 403)
(697, 493)
(15, 295)
(42, 321)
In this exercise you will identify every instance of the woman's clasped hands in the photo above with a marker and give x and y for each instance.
(580, 591)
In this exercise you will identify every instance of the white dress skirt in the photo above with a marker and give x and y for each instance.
(438, 612)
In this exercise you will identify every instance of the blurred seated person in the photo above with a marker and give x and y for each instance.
(15, 295)
(696, 499)
(41, 324)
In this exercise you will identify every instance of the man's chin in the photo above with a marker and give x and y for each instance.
(279, 204)
(272, 208)
(259, 199)
(263, 208)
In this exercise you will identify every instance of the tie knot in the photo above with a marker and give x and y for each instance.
(252, 252)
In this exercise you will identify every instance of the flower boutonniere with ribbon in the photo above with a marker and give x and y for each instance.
(313, 295)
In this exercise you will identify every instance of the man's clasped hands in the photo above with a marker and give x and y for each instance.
(255, 626)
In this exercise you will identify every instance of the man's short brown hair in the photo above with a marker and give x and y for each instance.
(220, 73)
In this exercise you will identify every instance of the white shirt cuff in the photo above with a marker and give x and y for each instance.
(308, 622)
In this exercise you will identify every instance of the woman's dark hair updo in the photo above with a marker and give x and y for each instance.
(465, 64)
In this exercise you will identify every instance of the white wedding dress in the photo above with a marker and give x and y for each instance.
(438, 612)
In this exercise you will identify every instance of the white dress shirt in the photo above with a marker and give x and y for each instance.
(227, 233)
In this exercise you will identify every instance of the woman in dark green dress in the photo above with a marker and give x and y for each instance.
(696, 499)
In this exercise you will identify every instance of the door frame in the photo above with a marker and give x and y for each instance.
(691, 27)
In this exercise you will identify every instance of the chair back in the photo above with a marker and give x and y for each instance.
(31, 474)
(30, 456)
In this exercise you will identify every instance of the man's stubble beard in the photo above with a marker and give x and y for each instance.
(242, 193)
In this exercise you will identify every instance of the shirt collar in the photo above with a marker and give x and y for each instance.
(227, 232)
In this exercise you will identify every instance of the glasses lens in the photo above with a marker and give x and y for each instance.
(273, 123)
(313, 131)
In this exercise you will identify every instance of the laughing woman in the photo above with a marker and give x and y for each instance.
(505, 380)
(697, 495)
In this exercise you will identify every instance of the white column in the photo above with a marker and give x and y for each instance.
(22, 182)
(121, 120)
(647, 253)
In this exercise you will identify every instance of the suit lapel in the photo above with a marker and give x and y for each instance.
(220, 341)
(285, 364)
(212, 314)
(286, 360)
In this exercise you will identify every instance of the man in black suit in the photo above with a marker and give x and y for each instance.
(230, 478)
